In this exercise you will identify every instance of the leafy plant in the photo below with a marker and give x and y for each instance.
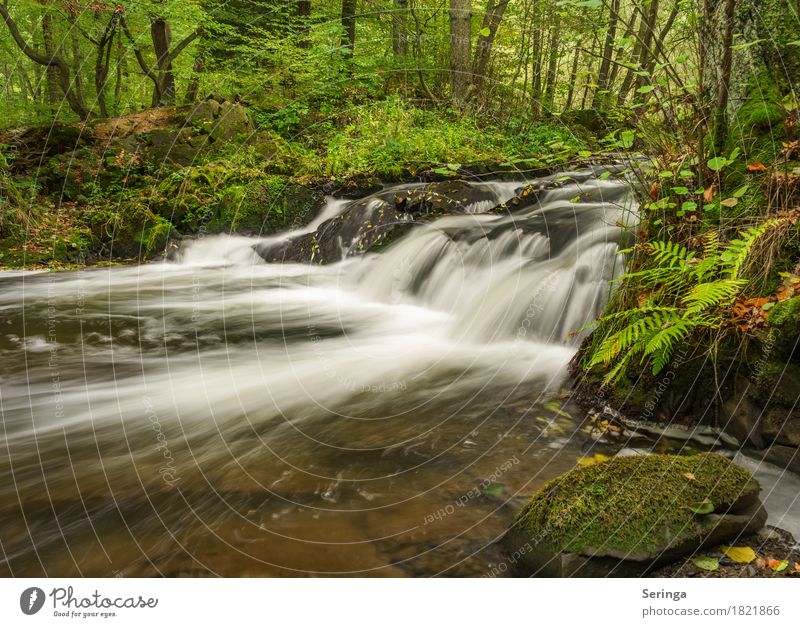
(681, 292)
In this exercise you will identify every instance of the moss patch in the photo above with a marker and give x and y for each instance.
(634, 504)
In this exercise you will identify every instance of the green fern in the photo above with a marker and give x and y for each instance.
(684, 293)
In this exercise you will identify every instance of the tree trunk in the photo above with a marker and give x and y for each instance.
(460, 51)
(600, 99)
(74, 98)
(162, 39)
(720, 116)
(548, 99)
(483, 47)
(400, 28)
(193, 87)
(53, 92)
(573, 77)
(348, 42)
(536, 70)
(303, 15)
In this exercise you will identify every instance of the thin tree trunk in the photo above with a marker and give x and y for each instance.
(460, 50)
(400, 28)
(162, 39)
(348, 42)
(552, 66)
(119, 71)
(573, 77)
(193, 88)
(74, 98)
(483, 47)
(53, 92)
(600, 99)
(720, 117)
(303, 15)
(536, 70)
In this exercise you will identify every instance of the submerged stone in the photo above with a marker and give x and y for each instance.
(624, 516)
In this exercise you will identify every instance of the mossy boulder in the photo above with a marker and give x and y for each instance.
(784, 322)
(628, 514)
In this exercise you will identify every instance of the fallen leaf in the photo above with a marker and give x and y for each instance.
(702, 508)
(598, 458)
(654, 190)
(705, 562)
(690, 476)
(708, 194)
(741, 554)
(756, 166)
(776, 565)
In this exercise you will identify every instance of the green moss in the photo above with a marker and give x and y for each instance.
(631, 504)
(785, 312)
(757, 128)
(129, 229)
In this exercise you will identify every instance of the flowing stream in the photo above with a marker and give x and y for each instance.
(386, 414)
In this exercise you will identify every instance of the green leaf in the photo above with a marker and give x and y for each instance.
(493, 489)
(485, 32)
(645, 89)
(627, 138)
(706, 563)
(782, 565)
(702, 508)
(590, 4)
(741, 191)
(604, 175)
(729, 202)
(717, 163)
(689, 205)
(680, 190)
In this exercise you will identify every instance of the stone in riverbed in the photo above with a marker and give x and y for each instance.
(624, 516)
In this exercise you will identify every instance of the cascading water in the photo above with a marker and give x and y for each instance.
(385, 413)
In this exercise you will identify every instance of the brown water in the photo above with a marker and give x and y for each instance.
(384, 416)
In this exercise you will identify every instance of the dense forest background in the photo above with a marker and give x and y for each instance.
(511, 58)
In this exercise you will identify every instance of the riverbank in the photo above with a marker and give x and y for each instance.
(123, 188)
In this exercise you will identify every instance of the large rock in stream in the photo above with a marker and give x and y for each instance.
(376, 220)
(624, 516)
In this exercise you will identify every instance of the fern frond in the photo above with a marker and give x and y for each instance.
(737, 251)
(670, 254)
(712, 294)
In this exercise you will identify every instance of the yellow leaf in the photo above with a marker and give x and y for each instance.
(690, 476)
(741, 554)
(591, 461)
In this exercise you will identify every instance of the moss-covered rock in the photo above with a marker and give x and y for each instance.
(628, 514)
(784, 322)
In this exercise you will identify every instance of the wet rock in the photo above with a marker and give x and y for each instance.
(374, 221)
(783, 456)
(741, 417)
(627, 515)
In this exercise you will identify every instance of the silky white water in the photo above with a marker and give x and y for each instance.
(220, 414)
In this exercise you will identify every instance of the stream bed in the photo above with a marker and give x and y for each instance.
(384, 414)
